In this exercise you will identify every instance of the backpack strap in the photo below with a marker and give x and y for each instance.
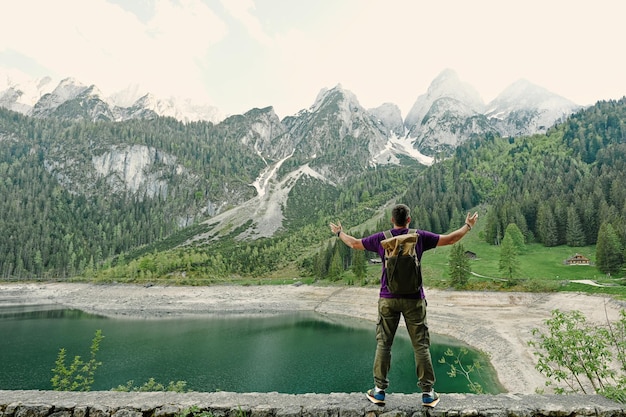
(388, 235)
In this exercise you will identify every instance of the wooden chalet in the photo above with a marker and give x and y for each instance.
(577, 259)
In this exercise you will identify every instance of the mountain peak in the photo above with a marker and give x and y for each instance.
(524, 94)
(338, 91)
(447, 76)
(525, 101)
(446, 85)
(67, 89)
(21, 93)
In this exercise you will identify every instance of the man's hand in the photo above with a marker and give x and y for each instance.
(335, 228)
(471, 220)
(350, 241)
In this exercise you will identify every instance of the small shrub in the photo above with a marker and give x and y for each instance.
(457, 367)
(577, 356)
(80, 375)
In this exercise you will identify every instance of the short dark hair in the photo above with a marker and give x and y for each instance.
(400, 214)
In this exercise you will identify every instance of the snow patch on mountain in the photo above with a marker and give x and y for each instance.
(400, 145)
(261, 184)
(522, 94)
(128, 96)
(67, 89)
(184, 109)
(405, 146)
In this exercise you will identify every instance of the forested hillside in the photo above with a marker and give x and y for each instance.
(565, 187)
(58, 225)
(559, 188)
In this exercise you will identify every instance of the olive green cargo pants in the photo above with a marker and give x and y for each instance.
(414, 312)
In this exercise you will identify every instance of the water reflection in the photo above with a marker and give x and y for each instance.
(292, 353)
(53, 311)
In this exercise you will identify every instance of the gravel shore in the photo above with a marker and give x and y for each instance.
(498, 323)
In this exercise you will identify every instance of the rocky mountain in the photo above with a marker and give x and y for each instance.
(242, 170)
(149, 106)
(449, 113)
(21, 95)
(447, 85)
(525, 109)
(336, 128)
(452, 112)
(336, 139)
(72, 100)
(389, 116)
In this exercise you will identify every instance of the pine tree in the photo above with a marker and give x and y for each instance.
(492, 227)
(609, 254)
(589, 220)
(459, 266)
(547, 226)
(574, 233)
(319, 264)
(509, 263)
(359, 265)
(335, 270)
(517, 236)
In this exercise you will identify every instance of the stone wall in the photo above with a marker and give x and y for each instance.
(225, 404)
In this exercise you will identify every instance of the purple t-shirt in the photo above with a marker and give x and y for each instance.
(426, 241)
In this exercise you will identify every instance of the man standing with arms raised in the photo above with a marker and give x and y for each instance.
(411, 306)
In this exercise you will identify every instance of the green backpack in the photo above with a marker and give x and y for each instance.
(401, 262)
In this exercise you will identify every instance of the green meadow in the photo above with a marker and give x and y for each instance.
(540, 269)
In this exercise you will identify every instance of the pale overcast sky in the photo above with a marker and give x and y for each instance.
(241, 54)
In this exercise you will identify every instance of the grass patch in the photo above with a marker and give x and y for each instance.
(540, 269)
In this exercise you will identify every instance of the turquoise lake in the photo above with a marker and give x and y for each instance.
(289, 353)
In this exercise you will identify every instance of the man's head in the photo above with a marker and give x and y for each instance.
(401, 215)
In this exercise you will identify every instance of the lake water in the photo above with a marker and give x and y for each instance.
(291, 353)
